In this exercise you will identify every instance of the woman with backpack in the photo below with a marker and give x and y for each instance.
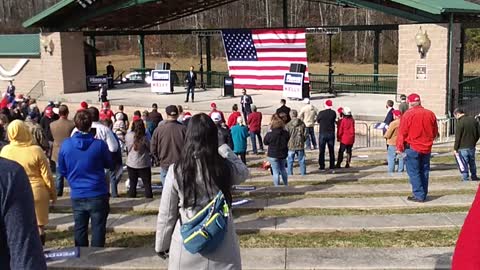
(191, 184)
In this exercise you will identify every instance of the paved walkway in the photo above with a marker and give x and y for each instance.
(266, 101)
(138, 204)
(250, 223)
(273, 259)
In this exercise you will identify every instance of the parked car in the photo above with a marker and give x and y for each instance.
(136, 77)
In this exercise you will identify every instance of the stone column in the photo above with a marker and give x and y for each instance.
(433, 87)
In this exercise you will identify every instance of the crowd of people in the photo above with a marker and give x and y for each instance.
(198, 156)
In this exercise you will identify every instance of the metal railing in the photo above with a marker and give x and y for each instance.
(469, 94)
(37, 90)
(358, 83)
(211, 79)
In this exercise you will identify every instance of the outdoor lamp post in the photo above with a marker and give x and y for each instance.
(423, 43)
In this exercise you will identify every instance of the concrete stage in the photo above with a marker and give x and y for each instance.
(137, 97)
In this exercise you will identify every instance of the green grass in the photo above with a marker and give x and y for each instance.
(57, 239)
(363, 239)
(358, 212)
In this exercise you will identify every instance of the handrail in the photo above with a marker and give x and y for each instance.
(468, 80)
(39, 86)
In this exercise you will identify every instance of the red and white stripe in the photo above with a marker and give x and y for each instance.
(276, 50)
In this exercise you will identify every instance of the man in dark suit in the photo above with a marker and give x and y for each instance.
(389, 117)
(191, 80)
(60, 130)
(284, 110)
(246, 102)
(110, 74)
(11, 89)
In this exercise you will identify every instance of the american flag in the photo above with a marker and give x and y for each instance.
(259, 59)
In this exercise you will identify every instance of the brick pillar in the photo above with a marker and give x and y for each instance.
(63, 70)
(433, 89)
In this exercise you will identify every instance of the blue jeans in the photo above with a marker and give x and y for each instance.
(97, 210)
(391, 160)
(469, 156)
(163, 174)
(59, 183)
(311, 140)
(418, 169)
(114, 180)
(326, 140)
(278, 168)
(253, 136)
(301, 161)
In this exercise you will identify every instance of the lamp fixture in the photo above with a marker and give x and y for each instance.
(423, 42)
(47, 44)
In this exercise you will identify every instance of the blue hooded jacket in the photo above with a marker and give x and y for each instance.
(83, 160)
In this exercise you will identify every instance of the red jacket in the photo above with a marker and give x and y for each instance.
(419, 129)
(106, 114)
(4, 103)
(254, 122)
(346, 131)
(232, 119)
(466, 255)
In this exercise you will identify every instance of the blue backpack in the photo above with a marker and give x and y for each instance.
(206, 230)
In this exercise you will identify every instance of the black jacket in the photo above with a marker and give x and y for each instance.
(467, 133)
(224, 136)
(277, 141)
(326, 119)
(191, 80)
(155, 117)
(286, 110)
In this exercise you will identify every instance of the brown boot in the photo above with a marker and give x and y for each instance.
(349, 158)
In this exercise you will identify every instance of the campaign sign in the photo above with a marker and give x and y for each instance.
(292, 85)
(160, 81)
(94, 81)
(61, 254)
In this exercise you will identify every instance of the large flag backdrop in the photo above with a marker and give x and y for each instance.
(259, 59)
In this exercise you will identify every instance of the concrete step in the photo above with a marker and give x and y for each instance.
(331, 189)
(250, 223)
(272, 259)
(349, 175)
(397, 202)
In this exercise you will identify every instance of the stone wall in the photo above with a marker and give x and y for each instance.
(433, 90)
(63, 70)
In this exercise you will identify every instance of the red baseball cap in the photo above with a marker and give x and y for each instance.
(340, 110)
(328, 103)
(84, 105)
(397, 113)
(213, 105)
(413, 98)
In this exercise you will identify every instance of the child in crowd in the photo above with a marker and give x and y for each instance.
(346, 137)
(391, 136)
(120, 128)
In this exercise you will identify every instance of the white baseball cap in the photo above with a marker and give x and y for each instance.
(216, 117)
(347, 111)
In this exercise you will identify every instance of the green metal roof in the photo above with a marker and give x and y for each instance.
(27, 45)
(142, 14)
(441, 6)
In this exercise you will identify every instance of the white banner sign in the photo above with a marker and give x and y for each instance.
(292, 85)
(160, 81)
